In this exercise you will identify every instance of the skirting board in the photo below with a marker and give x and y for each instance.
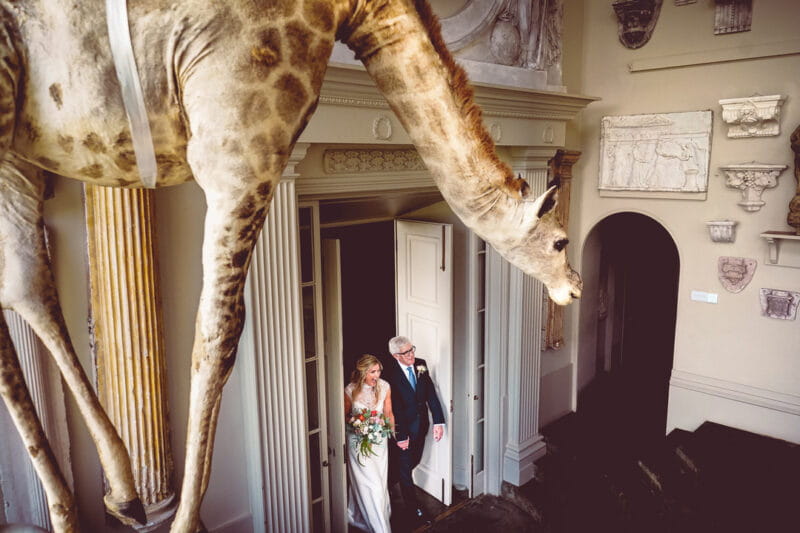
(694, 399)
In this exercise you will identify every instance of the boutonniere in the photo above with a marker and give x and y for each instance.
(421, 369)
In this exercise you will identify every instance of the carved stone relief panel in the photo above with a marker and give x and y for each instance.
(732, 16)
(793, 218)
(752, 178)
(776, 303)
(636, 20)
(754, 116)
(666, 152)
(356, 160)
(735, 273)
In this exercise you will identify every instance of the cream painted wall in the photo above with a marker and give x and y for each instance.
(728, 347)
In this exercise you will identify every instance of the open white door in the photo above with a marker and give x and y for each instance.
(424, 290)
(332, 305)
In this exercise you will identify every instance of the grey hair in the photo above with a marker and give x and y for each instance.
(395, 343)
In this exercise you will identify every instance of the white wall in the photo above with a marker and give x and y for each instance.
(729, 360)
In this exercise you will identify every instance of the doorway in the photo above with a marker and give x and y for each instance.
(636, 268)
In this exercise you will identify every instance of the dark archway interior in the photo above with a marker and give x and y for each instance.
(638, 278)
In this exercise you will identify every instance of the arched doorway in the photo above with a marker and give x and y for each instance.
(635, 268)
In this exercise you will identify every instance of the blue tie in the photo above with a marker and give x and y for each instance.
(412, 378)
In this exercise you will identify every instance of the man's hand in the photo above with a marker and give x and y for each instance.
(438, 432)
(403, 444)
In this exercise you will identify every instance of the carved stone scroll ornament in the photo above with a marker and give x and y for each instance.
(735, 273)
(636, 20)
(793, 218)
(752, 178)
(754, 116)
(780, 304)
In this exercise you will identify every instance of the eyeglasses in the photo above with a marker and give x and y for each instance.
(412, 349)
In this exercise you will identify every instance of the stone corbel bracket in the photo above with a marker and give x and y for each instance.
(755, 116)
(752, 178)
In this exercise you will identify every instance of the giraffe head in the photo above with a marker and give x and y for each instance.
(538, 247)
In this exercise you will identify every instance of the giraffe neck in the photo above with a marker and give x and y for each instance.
(432, 99)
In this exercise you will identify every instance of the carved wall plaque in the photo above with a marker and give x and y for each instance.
(752, 178)
(732, 16)
(666, 152)
(636, 20)
(735, 273)
(722, 230)
(793, 218)
(776, 303)
(754, 116)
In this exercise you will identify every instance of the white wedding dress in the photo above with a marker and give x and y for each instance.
(368, 505)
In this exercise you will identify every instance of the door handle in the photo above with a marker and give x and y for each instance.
(325, 463)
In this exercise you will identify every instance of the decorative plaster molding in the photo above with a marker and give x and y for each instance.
(732, 16)
(754, 116)
(776, 303)
(752, 178)
(735, 273)
(370, 160)
(776, 401)
(722, 230)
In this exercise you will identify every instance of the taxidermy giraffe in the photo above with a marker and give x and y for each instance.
(229, 86)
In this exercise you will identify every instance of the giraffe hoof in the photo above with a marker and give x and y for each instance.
(129, 512)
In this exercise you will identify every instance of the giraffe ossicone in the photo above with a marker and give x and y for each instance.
(229, 86)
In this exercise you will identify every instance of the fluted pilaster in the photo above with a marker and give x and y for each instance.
(271, 352)
(128, 337)
(524, 444)
(25, 498)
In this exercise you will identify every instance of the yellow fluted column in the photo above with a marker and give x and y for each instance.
(128, 337)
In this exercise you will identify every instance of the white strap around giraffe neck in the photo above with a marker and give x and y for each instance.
(119, 36)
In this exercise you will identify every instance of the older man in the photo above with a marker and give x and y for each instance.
(413, 394)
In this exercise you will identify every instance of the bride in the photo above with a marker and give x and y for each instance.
(368, 495)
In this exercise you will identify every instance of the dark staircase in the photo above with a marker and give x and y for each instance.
(605, 471)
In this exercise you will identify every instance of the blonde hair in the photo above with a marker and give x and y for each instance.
(363, 365)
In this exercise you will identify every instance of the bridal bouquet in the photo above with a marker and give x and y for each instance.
(369, 427)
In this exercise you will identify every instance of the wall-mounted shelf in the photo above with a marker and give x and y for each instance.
(791, 252)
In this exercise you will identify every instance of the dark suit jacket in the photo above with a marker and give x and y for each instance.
(411, 406)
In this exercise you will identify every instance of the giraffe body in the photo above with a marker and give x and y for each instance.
(229, 87)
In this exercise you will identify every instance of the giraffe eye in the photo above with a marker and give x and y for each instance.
(560, 244)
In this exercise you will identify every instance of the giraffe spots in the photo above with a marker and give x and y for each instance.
(47, 163)
(66, 142)
(240, 258)
(270, 9)
(167, 163)
(278, 139)
(254, 107)
(259, 144)
(125, 160)
(265, 53)
(55, 94)
(292, 97)
(247, 208)
(265, 189)
(94, 143)
(391, 82)
(28, 130)
(321, 55)
(123, 139)
(319, 14)
(94, 171)
(299, 41)
(6, 126)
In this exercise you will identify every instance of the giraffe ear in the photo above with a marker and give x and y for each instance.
(546, 202)
(524, 188)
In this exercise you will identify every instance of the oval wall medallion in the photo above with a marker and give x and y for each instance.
(496, 131)
(548, 134)
(382, 128)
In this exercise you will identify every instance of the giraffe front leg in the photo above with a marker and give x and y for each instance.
(233, 222)
(15, 393)
(29, 289)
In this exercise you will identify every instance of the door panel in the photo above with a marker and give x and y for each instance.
(332, 305)
(424, 289)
